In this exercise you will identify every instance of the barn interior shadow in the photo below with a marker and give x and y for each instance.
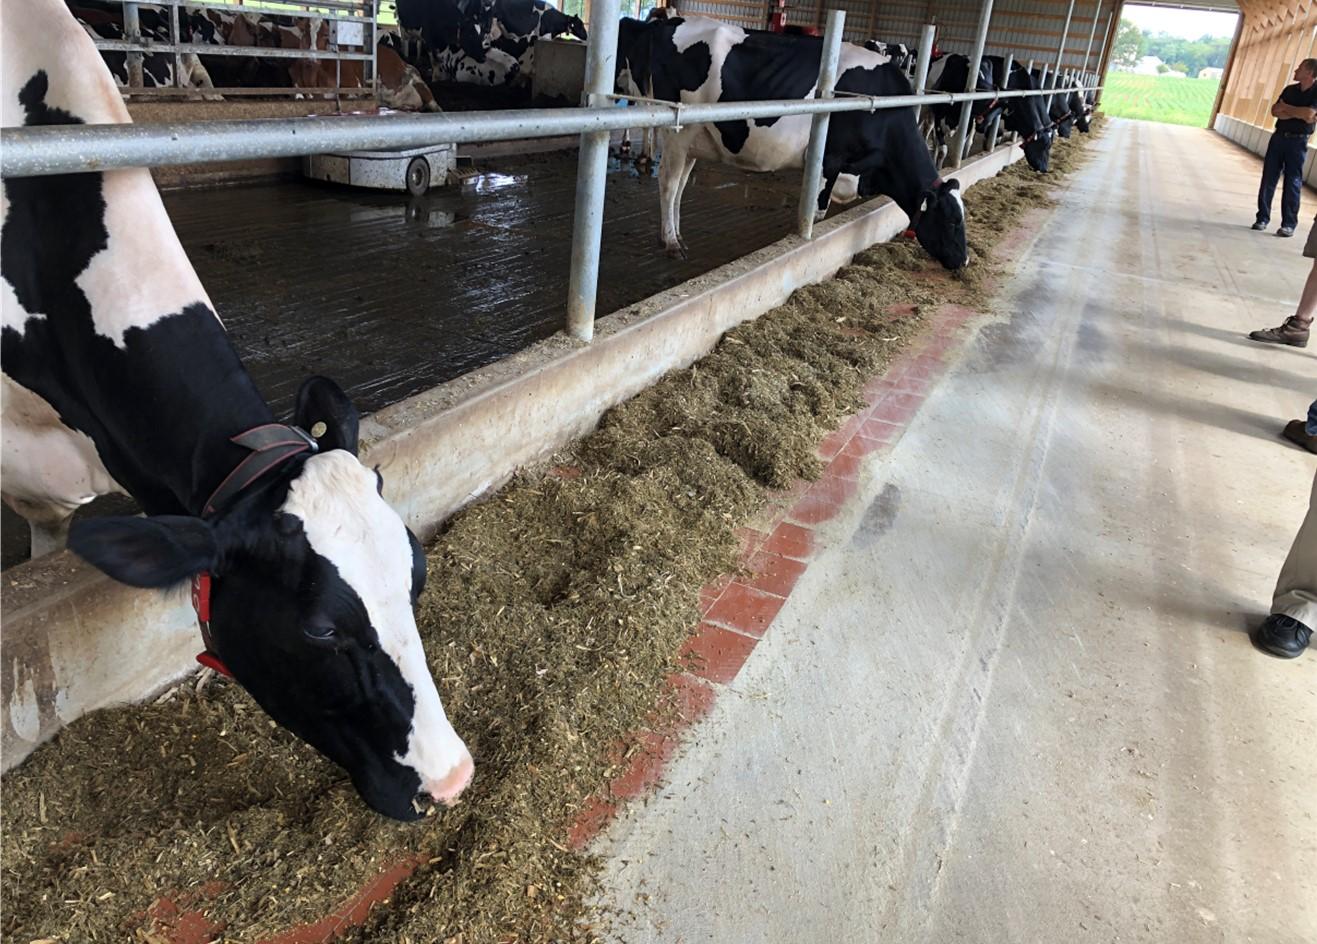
(1223, 416)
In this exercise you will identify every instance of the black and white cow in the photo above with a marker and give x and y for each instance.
(1067, 110)
(494, 68)
(951, 74)
(1026, 117)
(901, 55)
(512, 28)
(518, 24)
(102, 21)
(698, 60)
(118, 376)
(443, 23)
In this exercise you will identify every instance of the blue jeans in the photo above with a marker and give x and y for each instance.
(1284, 155)
(1311, 426)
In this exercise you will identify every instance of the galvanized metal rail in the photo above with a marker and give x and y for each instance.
(72, 149)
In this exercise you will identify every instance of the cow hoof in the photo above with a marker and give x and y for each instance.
(676, 252)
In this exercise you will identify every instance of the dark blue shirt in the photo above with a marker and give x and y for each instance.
(1293, 95)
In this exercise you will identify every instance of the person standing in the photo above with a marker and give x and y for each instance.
(1295, 329)
(1288, 630)
(1296, 119)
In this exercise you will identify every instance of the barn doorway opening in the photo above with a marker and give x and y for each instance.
(1167, 63)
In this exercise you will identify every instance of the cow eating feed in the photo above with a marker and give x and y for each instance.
(118, 376)
(699, 60)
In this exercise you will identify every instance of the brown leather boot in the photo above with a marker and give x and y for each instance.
(1296, 431)
(1293, 332)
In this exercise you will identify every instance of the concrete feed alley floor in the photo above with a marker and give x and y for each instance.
(1013, 697)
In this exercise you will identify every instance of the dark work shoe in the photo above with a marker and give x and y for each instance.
(1292, 332)
(1285, 231)
(1282, 636)
(1296, 431)
(1261, 224)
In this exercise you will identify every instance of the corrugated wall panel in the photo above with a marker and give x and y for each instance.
(1031, 29)
(751, 14)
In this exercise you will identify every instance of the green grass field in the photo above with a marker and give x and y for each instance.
(1157, 98)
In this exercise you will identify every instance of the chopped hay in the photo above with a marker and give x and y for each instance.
(553, 613)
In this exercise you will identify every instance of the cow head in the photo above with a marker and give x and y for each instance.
(1028, 118)
(556, 23)
(1038, 150)
(1080, 111)
(313, 580)
(940, 224)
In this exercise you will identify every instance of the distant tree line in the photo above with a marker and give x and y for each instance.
(1182, 55)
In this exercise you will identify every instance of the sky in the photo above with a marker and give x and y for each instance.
(1187, 24)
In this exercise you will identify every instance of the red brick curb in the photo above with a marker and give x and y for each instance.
(739, 609)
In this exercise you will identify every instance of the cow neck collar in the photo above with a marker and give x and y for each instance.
(269, 446)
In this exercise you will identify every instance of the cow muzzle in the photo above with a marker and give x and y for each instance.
(448, 789)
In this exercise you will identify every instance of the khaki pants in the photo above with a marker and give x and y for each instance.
(1296, 590)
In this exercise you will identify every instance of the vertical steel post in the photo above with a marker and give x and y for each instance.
(996, 122)
(592, 173)
(374, 48)
(132, 31)
(923, 59)
(1103, 53)
(174, 31)
(975, 62)
(1060, 51)
(1092, 32)
(818, 132)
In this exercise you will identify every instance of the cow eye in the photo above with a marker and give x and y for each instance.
(320, 632)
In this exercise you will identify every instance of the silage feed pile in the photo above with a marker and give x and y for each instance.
(553, 612)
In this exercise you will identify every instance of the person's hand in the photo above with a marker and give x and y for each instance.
(1311, 115)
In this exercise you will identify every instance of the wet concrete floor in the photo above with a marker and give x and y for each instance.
(390, 295)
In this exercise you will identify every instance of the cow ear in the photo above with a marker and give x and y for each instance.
(146, 552)
(322, 403)
(952, 184)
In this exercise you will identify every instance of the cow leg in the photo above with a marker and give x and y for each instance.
(648, 150)
(676, 203)
(48, 522)
(673, 174)
(196, 76)
(831, 171)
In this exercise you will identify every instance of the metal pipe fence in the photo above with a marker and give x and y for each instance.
(360, 16)
(592, 173)
(963, 137)
(818, 132)
(71, 149)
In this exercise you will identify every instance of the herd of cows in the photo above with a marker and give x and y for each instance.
(482, 42)
(698, 60)
(119, 377)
